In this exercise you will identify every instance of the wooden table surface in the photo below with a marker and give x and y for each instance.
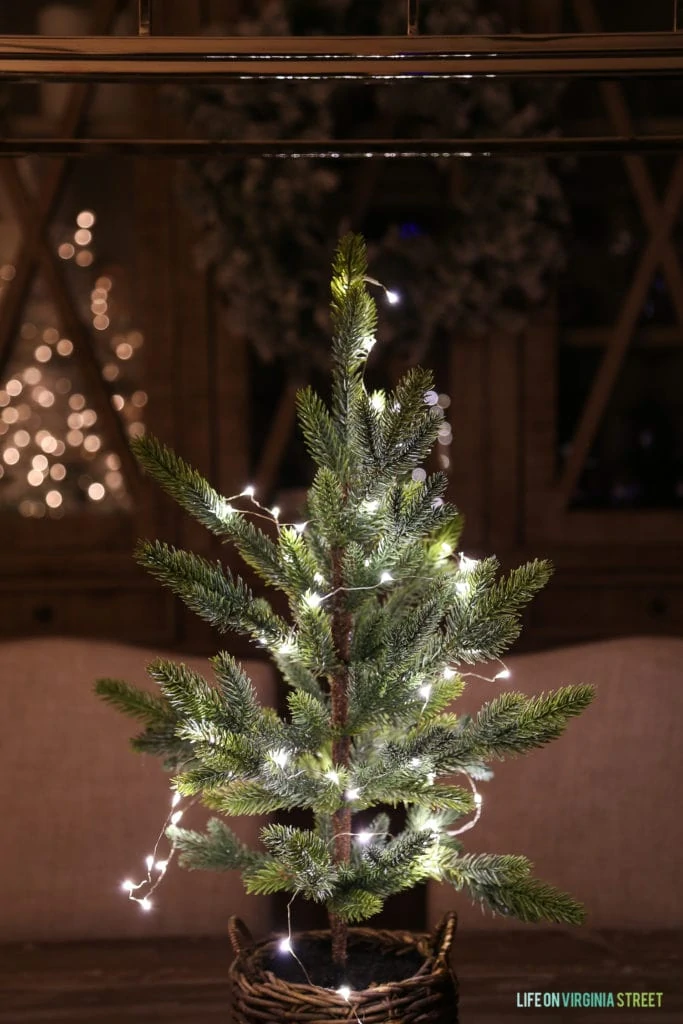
(184, 981)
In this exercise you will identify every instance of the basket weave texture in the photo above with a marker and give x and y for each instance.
(429, 996)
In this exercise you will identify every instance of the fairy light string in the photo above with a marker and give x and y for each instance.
(151, 882)
(281, 757)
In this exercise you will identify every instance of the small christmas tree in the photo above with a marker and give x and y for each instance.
(383, 617)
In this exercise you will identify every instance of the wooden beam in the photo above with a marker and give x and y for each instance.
(363, 149)
(88, 363)
(37, 58)
(46, 203)
(636, 167)
(613, 358)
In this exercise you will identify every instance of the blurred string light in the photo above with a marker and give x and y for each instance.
(141, 892)
(53, 459)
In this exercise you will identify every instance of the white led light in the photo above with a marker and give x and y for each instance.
(175, 817)
(504, 673)
(281, 757)
(386, 577)
(149, 861)
(175, 799)
(446, 549)
(223, 508)
(161, 865)
(463, 588)
(146, 904)
(128, 886)
(285, 946)
(275, 511)
(286, 647)
(332, 776)
(352, 794)
(467, 564)
(448, 672)
(344, 991)
(300, 527)
(392, 297)
(248, 491)
(364, 837)
(425, 691)
(367, 343)
(369, 506)
(430, 778)
(312, 600)
(415, 762)
(378, 401)
(478, 798)
(318, 577)
(432, 824)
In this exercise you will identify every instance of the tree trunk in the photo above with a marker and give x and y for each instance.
(341, 819)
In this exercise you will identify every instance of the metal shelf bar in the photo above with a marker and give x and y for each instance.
(131, 58)
(342, 148)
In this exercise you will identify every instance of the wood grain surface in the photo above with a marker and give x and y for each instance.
(184, 981)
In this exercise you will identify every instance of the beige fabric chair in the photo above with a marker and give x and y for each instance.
(599, 810)
(80, 810)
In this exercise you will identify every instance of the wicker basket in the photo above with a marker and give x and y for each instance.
(430, 996)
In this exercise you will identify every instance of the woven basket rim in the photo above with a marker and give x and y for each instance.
(432, 968)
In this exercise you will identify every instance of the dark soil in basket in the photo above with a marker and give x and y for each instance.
(368, 963)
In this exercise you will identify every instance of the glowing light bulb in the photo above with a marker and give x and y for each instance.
(175, 799)
(175, 817)
(430, 778)
(344, 991)
(248, 491)
(281, 757)
(367, 343)
(415, 762)
(285, 946)
(364, 837)
(161, 865)
(318, 577)
(286, 647)
(378, 401)
(128, 886)
(504, 673)
(149, 861)
(332, 776)
(463, 588)
(146, 904)
(386, 577)
(392, 297)
(312, 600)
(448, 672)
(478, 799)
(370, 506)
(425, 691)
(275, 511)
(467, 564)
(432, 824)
(300, 527)
(223, 508)
(446, 549)
(352, 794)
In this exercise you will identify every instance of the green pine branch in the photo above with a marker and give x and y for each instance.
(369, 661)
(217, 849)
